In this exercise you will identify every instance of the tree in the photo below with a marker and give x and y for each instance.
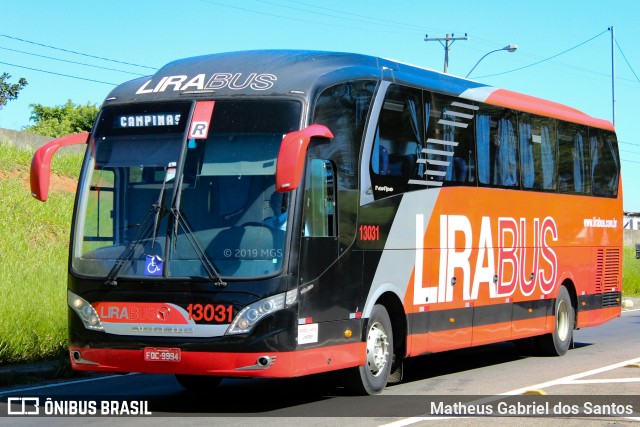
(8, 91)
(62, 119)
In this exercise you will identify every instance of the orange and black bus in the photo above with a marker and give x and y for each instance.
(285, 213)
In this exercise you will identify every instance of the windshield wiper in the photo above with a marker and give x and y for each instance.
(144, 229)
(143, 233)
(211, 270)
(169, 174)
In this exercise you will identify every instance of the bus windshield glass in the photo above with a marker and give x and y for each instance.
(154, 203)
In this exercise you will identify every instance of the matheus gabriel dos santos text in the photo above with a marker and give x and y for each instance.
(530, 408)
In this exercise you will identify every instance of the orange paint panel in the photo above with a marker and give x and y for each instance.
(584, 318)
(487, 334)
(600, 316)
(531, 327)
(464, 237)
(487, 247)
(448, 340)
(542, 107)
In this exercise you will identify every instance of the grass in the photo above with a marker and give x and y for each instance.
(33, 262)
(630, 273)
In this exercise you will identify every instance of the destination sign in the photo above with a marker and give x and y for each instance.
(147, 120)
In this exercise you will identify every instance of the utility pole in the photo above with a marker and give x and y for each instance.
(613, 72)
(448, 41)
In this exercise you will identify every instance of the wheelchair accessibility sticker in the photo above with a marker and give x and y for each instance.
(153, 266)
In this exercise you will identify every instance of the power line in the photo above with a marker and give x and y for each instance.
(71, 62)
(546, 59)
(76, 53)
(59, 74)
(628, 143)
(627, 61)
(365, 19)
(244, 9)
(629, 152)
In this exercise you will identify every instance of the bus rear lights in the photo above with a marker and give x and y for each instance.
(85, 311)
(249, 316)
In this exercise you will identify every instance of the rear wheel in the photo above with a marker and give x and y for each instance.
(198, 383)
(558, 342)
(372, 377)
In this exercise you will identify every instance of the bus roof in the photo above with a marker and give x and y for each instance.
(302, 72)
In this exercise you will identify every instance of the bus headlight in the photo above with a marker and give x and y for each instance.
(253, 313)
(85, 311)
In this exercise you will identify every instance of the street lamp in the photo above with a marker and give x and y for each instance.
(509, 48)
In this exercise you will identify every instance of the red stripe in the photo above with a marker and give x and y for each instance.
(201, 120)
(286, 365)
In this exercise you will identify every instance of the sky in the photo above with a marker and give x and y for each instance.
(79, 50)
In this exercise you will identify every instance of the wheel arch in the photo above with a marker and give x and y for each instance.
(398, 318)
(571, 288)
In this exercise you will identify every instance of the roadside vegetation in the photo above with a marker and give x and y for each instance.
(33, 258)
(630, 273)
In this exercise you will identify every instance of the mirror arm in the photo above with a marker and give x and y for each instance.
(292, 156)
(40, 174)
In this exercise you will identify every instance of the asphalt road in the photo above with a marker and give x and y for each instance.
(602, 369)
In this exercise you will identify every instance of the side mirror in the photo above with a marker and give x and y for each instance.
(41, 163)
(293, 151)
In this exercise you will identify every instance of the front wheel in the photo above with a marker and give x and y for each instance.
(372, 377)
(558, 342)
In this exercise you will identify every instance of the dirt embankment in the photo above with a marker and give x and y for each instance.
(56, 182)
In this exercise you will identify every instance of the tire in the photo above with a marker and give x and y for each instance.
(558, 342)
(372, 377)
(199, 383)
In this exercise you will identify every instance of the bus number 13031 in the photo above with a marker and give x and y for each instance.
(210, 313)
(369, 232)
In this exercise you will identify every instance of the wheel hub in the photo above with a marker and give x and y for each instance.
(562, 321)
(377, 349)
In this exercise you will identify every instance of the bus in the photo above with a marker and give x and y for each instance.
(284, 213)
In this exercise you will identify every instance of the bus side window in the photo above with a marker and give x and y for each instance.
(320, 199)
(399, 136)
(496, 133)
(538, 147)
(573, 170)
(605, 168)
(450, 151)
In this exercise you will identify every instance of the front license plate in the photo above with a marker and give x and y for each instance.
(158, 354)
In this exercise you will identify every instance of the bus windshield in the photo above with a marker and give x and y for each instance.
(153, 203)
